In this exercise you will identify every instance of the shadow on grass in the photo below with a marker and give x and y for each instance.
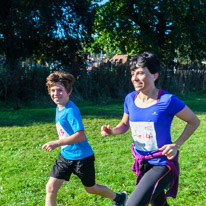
(197, 105)
(25, 117)
(28, 116)
(102, 111)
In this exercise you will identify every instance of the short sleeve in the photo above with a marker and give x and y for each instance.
(175, 105)
(75, 120)
(125, 105)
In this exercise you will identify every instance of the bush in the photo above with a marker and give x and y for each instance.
(103, 83)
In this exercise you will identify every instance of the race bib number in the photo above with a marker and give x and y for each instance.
(144, 136)
(61, 133)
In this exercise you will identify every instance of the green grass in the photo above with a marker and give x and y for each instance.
(24, 167)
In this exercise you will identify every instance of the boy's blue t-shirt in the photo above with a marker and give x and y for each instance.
(150, 126)
(68, 122)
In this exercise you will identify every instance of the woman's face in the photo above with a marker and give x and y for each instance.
(142, 79)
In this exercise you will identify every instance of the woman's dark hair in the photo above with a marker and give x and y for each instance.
(146, 60)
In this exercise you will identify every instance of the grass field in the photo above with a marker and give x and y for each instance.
(24, 167)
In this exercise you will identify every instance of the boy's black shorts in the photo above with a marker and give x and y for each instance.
(84, 169)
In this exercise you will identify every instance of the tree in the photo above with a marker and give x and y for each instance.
(43, 28)
(171, 29)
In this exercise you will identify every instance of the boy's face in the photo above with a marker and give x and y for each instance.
(59, 95)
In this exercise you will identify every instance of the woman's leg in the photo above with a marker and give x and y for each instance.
(52, 188)
(152, 184)
(160, 200)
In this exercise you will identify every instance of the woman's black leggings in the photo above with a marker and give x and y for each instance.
(150, 189)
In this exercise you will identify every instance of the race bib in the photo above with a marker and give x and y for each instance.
(144, 136)
(61, 133)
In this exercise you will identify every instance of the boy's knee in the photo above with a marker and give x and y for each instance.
(50, 188)
(91, 190)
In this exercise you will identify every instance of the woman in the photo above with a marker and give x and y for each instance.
(149, 112)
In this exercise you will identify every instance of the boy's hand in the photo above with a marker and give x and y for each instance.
(106, 130)
(49, 146)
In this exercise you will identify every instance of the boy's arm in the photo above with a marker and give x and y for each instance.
(79, 136)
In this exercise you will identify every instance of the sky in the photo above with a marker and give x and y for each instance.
(104, 1)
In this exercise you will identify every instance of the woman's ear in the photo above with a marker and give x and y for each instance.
(156, 75)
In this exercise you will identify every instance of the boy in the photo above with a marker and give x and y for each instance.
(76, 154)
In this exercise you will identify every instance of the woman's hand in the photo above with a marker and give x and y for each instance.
(106, 130)
(169, 150)
(49, 146)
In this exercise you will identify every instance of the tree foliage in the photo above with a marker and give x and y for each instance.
(172, 29)
(35, 26)
(44, 29)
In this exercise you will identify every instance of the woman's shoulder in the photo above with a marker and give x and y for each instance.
(169, 98)
(131, 94)
(166, 95)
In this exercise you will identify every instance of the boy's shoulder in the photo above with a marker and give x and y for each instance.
(70, 111)
(71, 105)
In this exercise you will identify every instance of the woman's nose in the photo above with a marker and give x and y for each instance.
(135, 77)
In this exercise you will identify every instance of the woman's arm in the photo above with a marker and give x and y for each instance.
(122, 127)
(193, 122)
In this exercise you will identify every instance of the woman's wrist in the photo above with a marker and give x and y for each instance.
(177, 145)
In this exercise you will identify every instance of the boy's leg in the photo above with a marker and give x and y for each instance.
(118, 198)
(85, 170)
(60, 172)
(52, 188)
(152, 184)
(101, 190)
